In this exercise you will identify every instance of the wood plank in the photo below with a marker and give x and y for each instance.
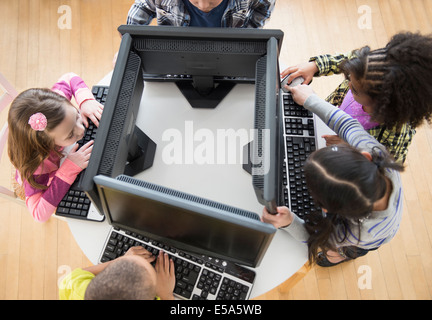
(36, 52)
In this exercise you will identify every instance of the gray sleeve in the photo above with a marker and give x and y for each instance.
(347, 128)
(297, 229)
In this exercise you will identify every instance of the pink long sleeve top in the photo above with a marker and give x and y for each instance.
(57, 177)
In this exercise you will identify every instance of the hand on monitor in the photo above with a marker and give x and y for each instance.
(304, 70)
(283, 218)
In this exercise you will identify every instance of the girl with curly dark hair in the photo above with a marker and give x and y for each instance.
(389, 90)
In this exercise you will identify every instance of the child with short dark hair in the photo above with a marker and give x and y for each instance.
(129, 277)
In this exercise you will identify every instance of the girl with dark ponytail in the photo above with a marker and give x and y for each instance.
(357, 186)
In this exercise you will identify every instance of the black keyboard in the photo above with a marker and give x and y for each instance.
(197, 277)
(299, 143)
(76, 204)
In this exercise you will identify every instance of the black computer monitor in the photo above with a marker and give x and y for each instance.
(214, 58)
(120, 146)
(185, 221)
(266, 149)
(205, 63)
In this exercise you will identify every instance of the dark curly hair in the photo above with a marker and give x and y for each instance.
(397, 78)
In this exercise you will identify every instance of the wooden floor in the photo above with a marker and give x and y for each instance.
(36, 51)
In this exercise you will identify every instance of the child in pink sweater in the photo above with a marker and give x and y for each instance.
(42, 123)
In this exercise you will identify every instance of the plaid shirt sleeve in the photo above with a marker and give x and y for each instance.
(395, 140)
(329, 65)
(247, 13)
(141, 12)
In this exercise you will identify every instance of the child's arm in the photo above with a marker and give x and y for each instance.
(70, 85)
(323, 65)
(347, 128)
(136, 250)
(42, 204)
(328, 64)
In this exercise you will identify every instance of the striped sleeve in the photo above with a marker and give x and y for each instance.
(71, 85)
(343, 125)
(381, 226)
(42, 203)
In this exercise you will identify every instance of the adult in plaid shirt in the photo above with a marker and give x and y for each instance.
(204, 13)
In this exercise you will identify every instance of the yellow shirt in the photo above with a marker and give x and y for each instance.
(74, 285)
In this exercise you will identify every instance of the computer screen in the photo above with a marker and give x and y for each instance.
(205, 63)
(120, 146)
(214, 59)
(182, 220)
(265, 149)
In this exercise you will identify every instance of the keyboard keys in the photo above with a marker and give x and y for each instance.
(75, 204)
(232, 290)
(195, 279)
(300, 142)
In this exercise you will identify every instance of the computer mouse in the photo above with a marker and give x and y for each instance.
(295, 82)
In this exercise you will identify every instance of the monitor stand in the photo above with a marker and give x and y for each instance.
(247, 162)
(141, 153)
(202, 92)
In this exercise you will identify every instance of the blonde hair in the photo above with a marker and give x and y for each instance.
(28, 148)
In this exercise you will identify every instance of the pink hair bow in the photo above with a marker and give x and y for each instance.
(38, 121)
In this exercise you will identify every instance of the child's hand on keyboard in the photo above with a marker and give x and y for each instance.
(91, 109)
(165, 276)
(140, 251)
(332, 139)
(300, 93)
(81, 156)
